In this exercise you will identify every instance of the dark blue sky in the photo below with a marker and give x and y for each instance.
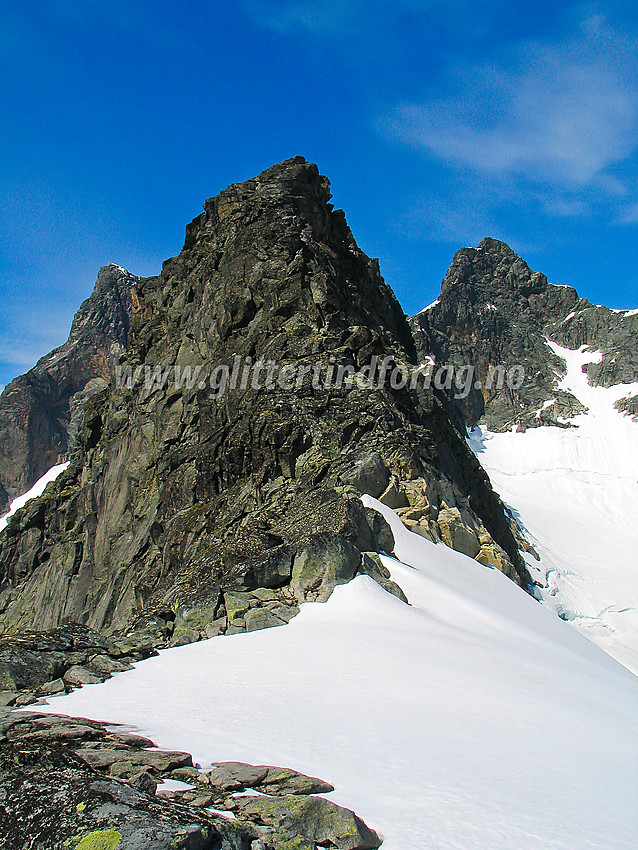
(437, 122)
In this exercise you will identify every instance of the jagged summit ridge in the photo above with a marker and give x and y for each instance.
(490, 268)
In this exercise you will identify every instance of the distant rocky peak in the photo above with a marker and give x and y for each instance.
(107, 311)
(39, 411)
(491, 270)
(494, 310)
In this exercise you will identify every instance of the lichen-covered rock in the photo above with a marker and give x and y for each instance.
(158, 760)
(237, 776)
(314, 818)
(326, 561)
(456, 534)
(77, 676)
(262, 618)
(66, 783)
(38, 664)
(53, 800)
(282, 780)
(98, 839)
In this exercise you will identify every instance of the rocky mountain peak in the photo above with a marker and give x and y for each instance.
(490, 271)
(223, 511)
(273, 244)
(494, 310)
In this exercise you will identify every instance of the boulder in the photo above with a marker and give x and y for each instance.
(381, 531)
(272, 570)
(284, 612)
(326, 561)
(237, 606)
(22, 669)
(236, 775)
(372, 565)
(261, 618)
(418, 493)
(104, 665)
(158, 760)
(370, 475)
(49, 689)
(313, 818)
(217, 627)
(75, 677)
(144, 781)
(394, 496)
(491, 555)
(282, 780)
(182, 637)
(456, 534)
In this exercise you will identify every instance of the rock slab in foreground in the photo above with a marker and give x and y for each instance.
(73, 783)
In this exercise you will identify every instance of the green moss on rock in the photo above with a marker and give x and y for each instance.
(99, 839)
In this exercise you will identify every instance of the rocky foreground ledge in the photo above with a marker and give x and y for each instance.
(69, 783)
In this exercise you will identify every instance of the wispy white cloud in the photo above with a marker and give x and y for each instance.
(460, 220)
(561, 114)
(22, 355)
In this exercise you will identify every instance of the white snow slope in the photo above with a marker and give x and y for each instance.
(37, 490)
(472, 719)
(575, 491)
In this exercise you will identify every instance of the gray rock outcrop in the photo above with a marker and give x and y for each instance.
(69, 783)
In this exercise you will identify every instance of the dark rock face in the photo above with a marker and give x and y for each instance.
(40, 411)
(494, 310)
(176, 498)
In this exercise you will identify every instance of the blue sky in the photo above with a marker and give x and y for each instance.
(437, 122)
